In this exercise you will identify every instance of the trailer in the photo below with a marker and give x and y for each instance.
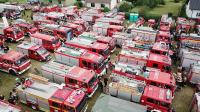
(96, 47)
(81, 58)
(73, 77)
(7, 107)
(112, 104)
(34, 51)
(40, 94)
(151, 76)
(136, 91)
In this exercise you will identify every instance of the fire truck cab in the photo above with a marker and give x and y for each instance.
(95, 47)
(57, 17)
(145, 58)
(48, 42)
(56, 30)
(41, 95)
(107, 30)
(14, 62)
(151, 76)
(163, 36)
(74, 77)
(77, 29)
(161, 48)
(34, 51)
(157, 98)
(11, 33)
(27, 28)
(101, 39)
(151, 22)
(82, 58)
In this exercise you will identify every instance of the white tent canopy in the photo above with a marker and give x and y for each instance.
(107, 103)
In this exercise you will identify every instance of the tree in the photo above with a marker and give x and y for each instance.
(125, 7)
(152, 3)
(79, 4)
(106, 9)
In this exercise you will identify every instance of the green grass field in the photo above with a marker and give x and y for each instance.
(169, 7)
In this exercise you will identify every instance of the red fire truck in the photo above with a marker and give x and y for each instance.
(72, 9)
(7, 107)
(96, 47)
(151, 22)
(48, 42)
(145, 58)
(41, 95)
(11, 33)
(56, 30)
(150, 76)
(74, 77)
(53, 8)
(137, 91)
(27, 28)
(82, 23)
(82, 58)
(14, 62)
(165, 23)
(183, 25)
(109, 21)
(121, 37)
(91, 15)
(77, 29)
(161, 48)
(57, 17)
(163, 36)
(99, 38)
(34, 51)
(39, 22)
(107, 30)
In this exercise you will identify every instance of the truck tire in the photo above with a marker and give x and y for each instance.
(12, 72)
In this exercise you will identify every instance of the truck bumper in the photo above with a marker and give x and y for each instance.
(24, 70)
(19, 39)
(95, 89)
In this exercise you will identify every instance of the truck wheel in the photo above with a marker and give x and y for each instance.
(10, 40)
(12, 72)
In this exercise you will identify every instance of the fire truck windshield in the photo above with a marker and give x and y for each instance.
(21, 61)
(78, 108)
(106, 52)
(41, 51)
(55, 41)
(92, 81)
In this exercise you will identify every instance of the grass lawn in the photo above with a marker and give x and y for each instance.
(170, 6)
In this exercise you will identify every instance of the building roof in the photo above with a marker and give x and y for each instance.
(194, 4)
(97, 1)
